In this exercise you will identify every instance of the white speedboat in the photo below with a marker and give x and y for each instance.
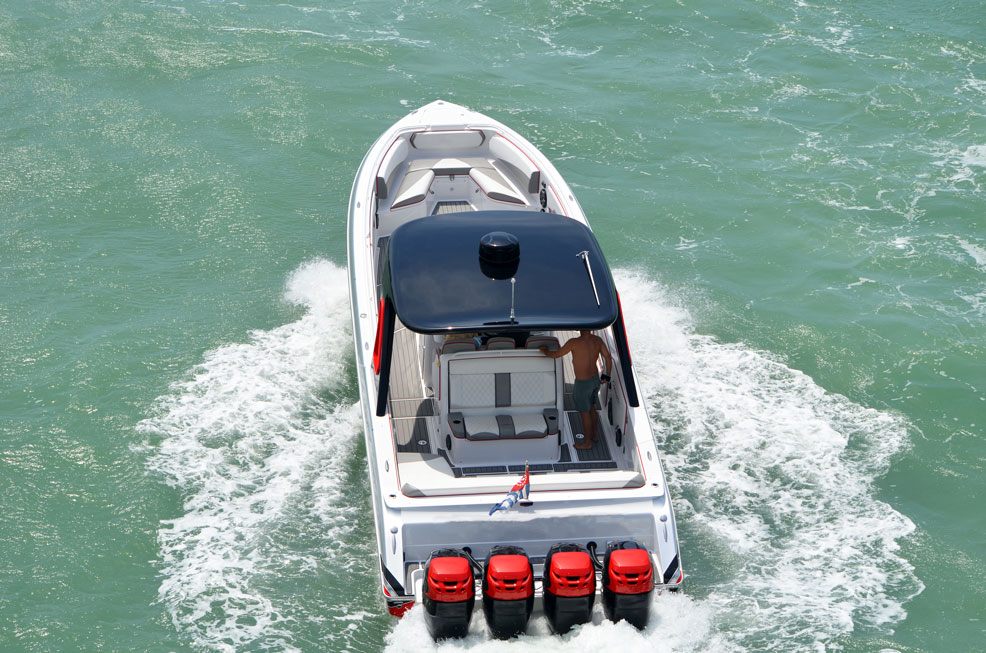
(468, 253)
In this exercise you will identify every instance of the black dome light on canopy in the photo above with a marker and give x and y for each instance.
(499, 255)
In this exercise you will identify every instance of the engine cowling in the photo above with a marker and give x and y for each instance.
(508, 591)
(569, 585)
(628, 583)
(450, 594)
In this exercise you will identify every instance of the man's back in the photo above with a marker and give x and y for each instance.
(585, 352)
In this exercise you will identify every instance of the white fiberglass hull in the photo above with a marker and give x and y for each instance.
(427, 496)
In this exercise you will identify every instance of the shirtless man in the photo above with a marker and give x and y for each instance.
(585, 351)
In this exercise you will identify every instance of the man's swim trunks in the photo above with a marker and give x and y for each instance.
(584, 394)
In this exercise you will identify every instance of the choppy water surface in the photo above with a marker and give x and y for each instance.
(791, 194)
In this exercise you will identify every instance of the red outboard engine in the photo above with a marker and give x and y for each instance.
(569, 586)
(450, 594)
(628, 582)
(508, 591)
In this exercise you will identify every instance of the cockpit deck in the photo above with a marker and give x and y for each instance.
(420, 434)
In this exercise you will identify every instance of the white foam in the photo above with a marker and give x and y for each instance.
(961, 169)
(772, 478)
(677, 623)
(975, 156)
(254, 441)
(778, 472)
(976, 252)
(861, 281)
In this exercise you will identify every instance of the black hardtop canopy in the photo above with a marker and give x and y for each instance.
(559, 279)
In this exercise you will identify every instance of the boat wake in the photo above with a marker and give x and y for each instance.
(784, 542)
(677, 623)
(257, 439)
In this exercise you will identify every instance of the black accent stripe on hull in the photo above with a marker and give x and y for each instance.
(670, 571)
(394, 585)
(386, 353)
(623, 349)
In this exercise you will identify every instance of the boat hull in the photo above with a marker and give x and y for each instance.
(426, 495)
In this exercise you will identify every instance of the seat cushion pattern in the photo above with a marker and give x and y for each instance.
(532, 389)
(472, 391)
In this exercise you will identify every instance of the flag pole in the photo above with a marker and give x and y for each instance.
(524, 500)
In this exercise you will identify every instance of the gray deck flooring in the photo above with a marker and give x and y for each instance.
(405, 376)
(599, 451)
(413, 414)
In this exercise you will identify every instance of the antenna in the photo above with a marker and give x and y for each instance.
(513, 285)
(584, 255)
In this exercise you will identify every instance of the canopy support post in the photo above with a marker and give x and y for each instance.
(386, 354)
(623, 349)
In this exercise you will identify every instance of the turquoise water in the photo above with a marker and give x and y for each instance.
(791, 193)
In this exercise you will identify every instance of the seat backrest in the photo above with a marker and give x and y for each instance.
(507, 152)
(472, 391)
(447, 139)
(500, 343)
(394, 157)
(533, 389)
(535, 342)
(455, 346)
(482, 385)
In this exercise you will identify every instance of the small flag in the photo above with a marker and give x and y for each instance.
(520, 490)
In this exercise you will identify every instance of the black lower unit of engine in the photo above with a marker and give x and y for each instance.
(565, 612)
(505, 618)
(632, 608)
(445, 620)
